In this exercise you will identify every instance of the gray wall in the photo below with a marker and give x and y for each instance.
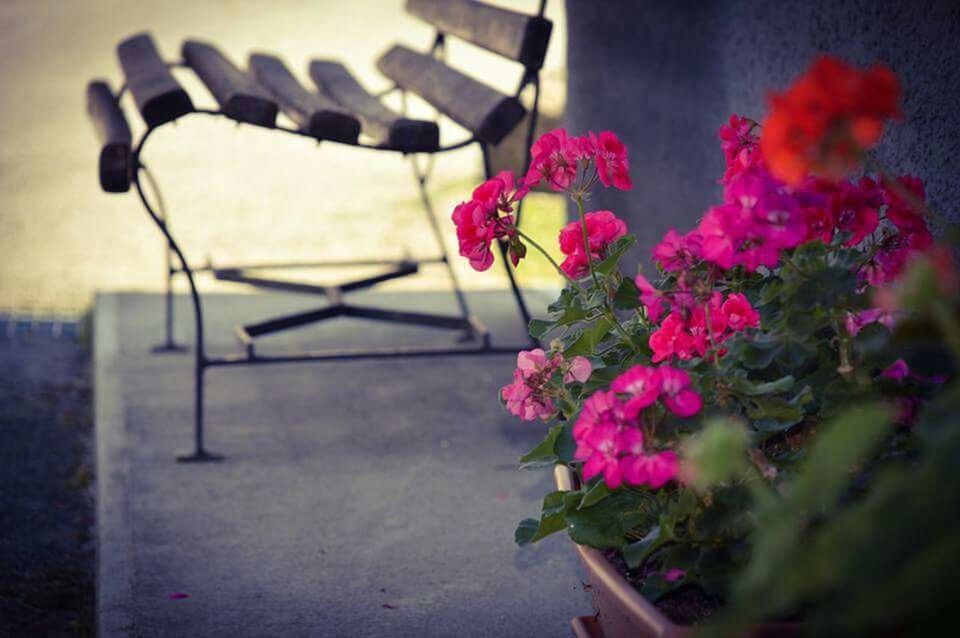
(666, 74)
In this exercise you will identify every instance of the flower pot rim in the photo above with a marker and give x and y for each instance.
(628, 597)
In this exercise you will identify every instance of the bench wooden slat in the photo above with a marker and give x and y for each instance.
(315, 114)
(159, 97)
(481, 109)
(238, 95)
(518, 36)
(113, 133)
(381, 124)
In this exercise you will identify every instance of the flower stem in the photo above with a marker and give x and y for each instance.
(713, 339)
(607, 309)
(846, 367)
(530, 240)
(586, 240)
(789, 261)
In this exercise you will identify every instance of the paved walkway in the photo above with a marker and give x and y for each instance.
(368, 498)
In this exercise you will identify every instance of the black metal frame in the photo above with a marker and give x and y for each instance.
(472, 328)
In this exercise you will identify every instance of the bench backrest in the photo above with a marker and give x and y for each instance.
(488, 113)
(519, 37)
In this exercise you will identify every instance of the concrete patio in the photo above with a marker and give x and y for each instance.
(366, 498)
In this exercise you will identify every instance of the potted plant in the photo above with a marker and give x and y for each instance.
(789, 355)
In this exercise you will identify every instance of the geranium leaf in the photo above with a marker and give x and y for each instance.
(597, 492)
(545, 449)
(614, 252)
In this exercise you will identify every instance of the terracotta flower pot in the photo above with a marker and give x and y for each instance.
(621, 612)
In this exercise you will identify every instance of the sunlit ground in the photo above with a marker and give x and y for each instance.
(234, 193)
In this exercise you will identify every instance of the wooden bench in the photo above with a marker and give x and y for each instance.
(337, 109)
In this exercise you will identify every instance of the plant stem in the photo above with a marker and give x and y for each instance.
(713, 340)
(788, 261)
(586, 239)
(607, 310)
(530, 240)
(843, 345)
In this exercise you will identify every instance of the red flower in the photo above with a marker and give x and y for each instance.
(603, 228)
(854, 209)
(831, 113)
(738, 313)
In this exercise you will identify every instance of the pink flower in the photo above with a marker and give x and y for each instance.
(741, 148)
(578, 369)
(525, 401)
(678, 252)
(654, 470)
(898, 371)
(738, 313)
(643, 386)
(554, 158)
(599, 448)
(475, 231)
(600, 408)
(529, 396)
(855, 322)
(650, 297)
(603, 228)
(759, 219)
(531, 362)
(674, 574)
(498, 192)
(613, 168)
(676, 393)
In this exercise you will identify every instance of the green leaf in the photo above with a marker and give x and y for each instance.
(525, 531)
(627, 296)
(825, 288)
(757, 353)
(545, 449)
(595, 494)
(586, 343)
(751, 389)
(565, 446)
(551, 520)
(614, 252)
(539, 327)
(635, 553)
(603, 525)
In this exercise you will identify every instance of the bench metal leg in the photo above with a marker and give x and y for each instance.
(199, 453)
(169, 345)
(421, 177)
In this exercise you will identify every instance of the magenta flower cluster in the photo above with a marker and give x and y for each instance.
(608, 433)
